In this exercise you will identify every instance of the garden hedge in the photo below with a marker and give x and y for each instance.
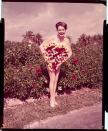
(26, 75)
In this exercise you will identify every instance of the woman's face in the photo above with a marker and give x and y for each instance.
(61, 31)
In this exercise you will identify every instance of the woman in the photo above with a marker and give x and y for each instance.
(60, 38)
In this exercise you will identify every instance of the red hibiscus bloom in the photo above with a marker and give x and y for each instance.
(29, 66)
(34, 85)
(78, 50)
(74, 77)
(75, 60)
(38, 70)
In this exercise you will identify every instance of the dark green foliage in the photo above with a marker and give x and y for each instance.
(26, 75)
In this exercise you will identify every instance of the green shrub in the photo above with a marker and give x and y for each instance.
(26, 75)
(84, 69)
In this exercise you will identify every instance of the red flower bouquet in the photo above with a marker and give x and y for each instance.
(55, 54)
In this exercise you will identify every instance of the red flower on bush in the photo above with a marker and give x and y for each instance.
(74, 76)
(29, 66)
(75, 60)
(83, 71)
(34, 85)
(38, 70)
(79, 50)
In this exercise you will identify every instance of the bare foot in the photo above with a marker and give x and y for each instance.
(52, 104)
(56, 103)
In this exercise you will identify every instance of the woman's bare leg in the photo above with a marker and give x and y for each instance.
(51, 88)
(55, 83)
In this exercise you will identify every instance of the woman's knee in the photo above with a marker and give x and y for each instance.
(56, 77)
(52, 76)
(57, 73)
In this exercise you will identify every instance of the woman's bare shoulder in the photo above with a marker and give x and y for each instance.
(67, 40)
(47, 39)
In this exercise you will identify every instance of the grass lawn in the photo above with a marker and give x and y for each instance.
(20, 115)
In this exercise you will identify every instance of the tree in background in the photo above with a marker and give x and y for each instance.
(87, 39)
(30, 37)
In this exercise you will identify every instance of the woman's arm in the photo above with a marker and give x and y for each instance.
(43, 46)
(69, 48)
(45, 42)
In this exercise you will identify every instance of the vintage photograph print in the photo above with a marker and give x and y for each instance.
(53, 55)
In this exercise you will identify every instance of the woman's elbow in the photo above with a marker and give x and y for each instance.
(70, 53)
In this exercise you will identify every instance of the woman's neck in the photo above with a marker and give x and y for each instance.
(61, 38)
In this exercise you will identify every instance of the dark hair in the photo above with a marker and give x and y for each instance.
(61, 24)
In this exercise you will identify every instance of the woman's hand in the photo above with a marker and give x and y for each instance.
(70, 53)
(41, 48)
